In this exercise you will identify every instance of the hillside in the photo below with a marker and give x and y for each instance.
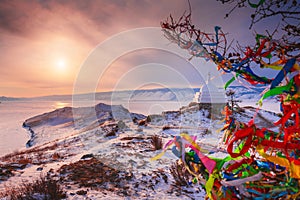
(75, 145)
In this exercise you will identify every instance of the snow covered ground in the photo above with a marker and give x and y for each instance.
(111, 137)
(13, 112)
(58, 140)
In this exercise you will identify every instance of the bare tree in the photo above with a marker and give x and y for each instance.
(287, 10)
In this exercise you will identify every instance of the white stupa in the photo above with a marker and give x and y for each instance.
(209, 93)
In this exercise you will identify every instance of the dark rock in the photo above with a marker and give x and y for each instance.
(90, 155)
(135, 120)
(111, 133)
(148, 119)
(29, 144)
(135, 116)
(39, 169)
(81, 192)
(69, 187)
(18, 166)
(24, 125)
(142, 122)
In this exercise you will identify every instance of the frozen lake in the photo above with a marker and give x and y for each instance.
(12, 115)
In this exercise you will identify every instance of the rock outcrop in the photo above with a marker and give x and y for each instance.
(65, 121)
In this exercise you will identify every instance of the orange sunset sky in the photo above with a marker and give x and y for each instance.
(44, 43)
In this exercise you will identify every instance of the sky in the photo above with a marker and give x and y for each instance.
(46, 46)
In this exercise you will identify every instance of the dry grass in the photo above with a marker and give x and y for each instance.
(56, 156)
(44, 188)
(21, 155)
(25, 161)
(96, 175)
(6, 172)
(141, 143)
(38, 155)
(134, 138)
(18, 160)
(156, 141)
(32, 150)
(180, 174)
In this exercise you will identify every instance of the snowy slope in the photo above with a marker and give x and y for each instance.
(249, 94)
(67, 121)
(113, 139)
(122, 146)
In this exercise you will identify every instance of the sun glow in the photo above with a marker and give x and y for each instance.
(61, 65)
(59, 104)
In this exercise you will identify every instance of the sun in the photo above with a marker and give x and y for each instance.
(61, 64)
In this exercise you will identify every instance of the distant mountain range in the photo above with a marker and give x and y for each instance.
(161, 94)
(3, 98)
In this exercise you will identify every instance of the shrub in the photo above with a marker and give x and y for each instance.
(206, 132)
(44, 188)
(156, 141)
(148, 119)
(180, 174)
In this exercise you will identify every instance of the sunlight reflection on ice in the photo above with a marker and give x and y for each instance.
(60, 104)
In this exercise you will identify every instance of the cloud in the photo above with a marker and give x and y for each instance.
(29, 18)
(34, 34)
